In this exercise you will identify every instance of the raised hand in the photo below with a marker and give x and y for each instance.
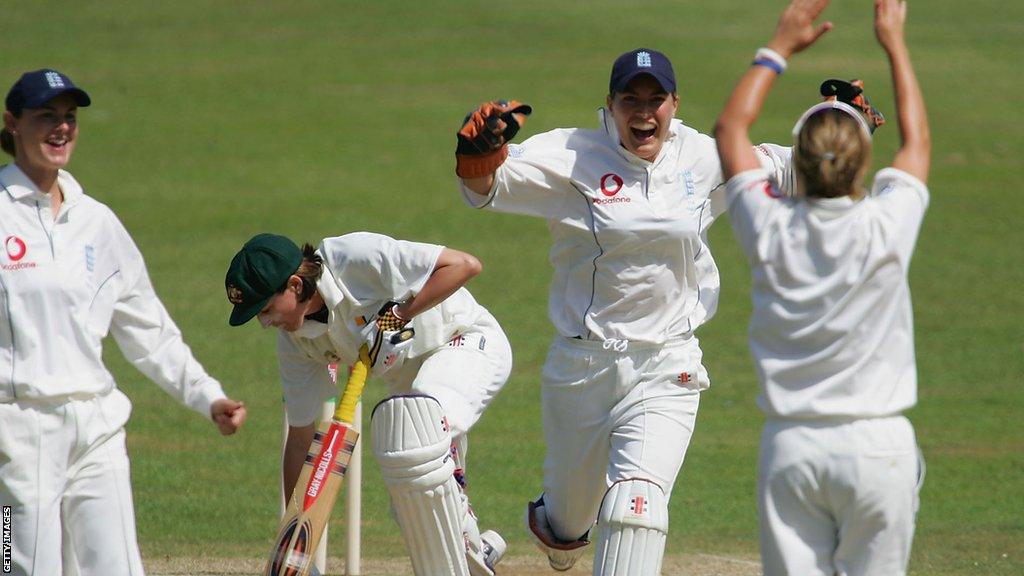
(796, 29)
(485, 133)
(890, 16)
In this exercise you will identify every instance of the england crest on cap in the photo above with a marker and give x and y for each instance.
(642, 61)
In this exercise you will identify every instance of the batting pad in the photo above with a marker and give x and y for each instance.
(412, 444)
(631, 529)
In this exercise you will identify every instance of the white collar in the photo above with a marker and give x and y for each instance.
(20, 186)
(311, 329)
(328, 286)
(837, 203)
(332, 295)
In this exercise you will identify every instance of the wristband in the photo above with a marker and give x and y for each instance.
(771, 59)
(769, 64)
(394, 311)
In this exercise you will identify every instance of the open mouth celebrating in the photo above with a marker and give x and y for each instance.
(643, 134)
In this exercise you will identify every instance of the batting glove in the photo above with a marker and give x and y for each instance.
(483, 139)
(387, 340)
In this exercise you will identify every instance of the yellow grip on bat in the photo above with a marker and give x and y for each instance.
(346, 411)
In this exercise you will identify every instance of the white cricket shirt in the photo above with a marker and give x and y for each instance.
(64, 283)
(362, 272)
(629, 237)
(832, 328)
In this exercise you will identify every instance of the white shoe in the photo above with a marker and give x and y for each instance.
(483, 559)
(494, 548)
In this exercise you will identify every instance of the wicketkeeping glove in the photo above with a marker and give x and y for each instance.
(387, 340)
(483, 139)
(852, 93)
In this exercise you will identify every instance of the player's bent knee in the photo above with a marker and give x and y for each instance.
(631, 529)
(412, 443)
(411, 440)
(562, 554)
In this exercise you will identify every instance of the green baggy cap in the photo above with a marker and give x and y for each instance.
(259, 270)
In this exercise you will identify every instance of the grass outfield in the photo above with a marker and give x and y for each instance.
(216, 120)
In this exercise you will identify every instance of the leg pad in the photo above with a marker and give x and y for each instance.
(412, 443)
(631, 529)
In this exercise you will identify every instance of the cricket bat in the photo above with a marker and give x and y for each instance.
(319, 482)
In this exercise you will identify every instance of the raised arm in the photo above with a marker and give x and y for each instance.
(483, 142)
(794, 32)
(914, 154)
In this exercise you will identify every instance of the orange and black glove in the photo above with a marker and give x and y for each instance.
(483, 139)
(852, 93)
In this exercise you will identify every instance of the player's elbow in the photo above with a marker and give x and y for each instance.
(720, 129)
(726, 128)
(471, 266)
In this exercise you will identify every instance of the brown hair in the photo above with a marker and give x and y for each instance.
(310, 270)
(831, 155)
(7, 139)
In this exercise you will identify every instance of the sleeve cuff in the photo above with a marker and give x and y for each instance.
(208, 393)
(475, 200)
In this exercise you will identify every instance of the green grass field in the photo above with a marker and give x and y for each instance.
(216, 120)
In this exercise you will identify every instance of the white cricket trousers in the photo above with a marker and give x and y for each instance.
(64, 473)
(838, 497)
(612, 411)
(464, 376)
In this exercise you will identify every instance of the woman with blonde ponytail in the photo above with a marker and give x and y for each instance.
(832, 327)
(831, 155)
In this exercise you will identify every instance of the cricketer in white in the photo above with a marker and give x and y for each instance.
(832, 329)
(71, 274)
(628, 207)
(440, 381)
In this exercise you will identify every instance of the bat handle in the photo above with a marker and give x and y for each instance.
(353, 390)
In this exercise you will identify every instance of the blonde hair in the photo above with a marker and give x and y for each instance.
(831, 155)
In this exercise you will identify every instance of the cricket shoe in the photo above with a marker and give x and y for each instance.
(494, 548)
(483, 560)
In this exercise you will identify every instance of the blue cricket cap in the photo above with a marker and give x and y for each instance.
(38, 87)
(642, 61)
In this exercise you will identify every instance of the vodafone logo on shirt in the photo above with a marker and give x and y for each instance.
(16, 250)
(611, 184)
